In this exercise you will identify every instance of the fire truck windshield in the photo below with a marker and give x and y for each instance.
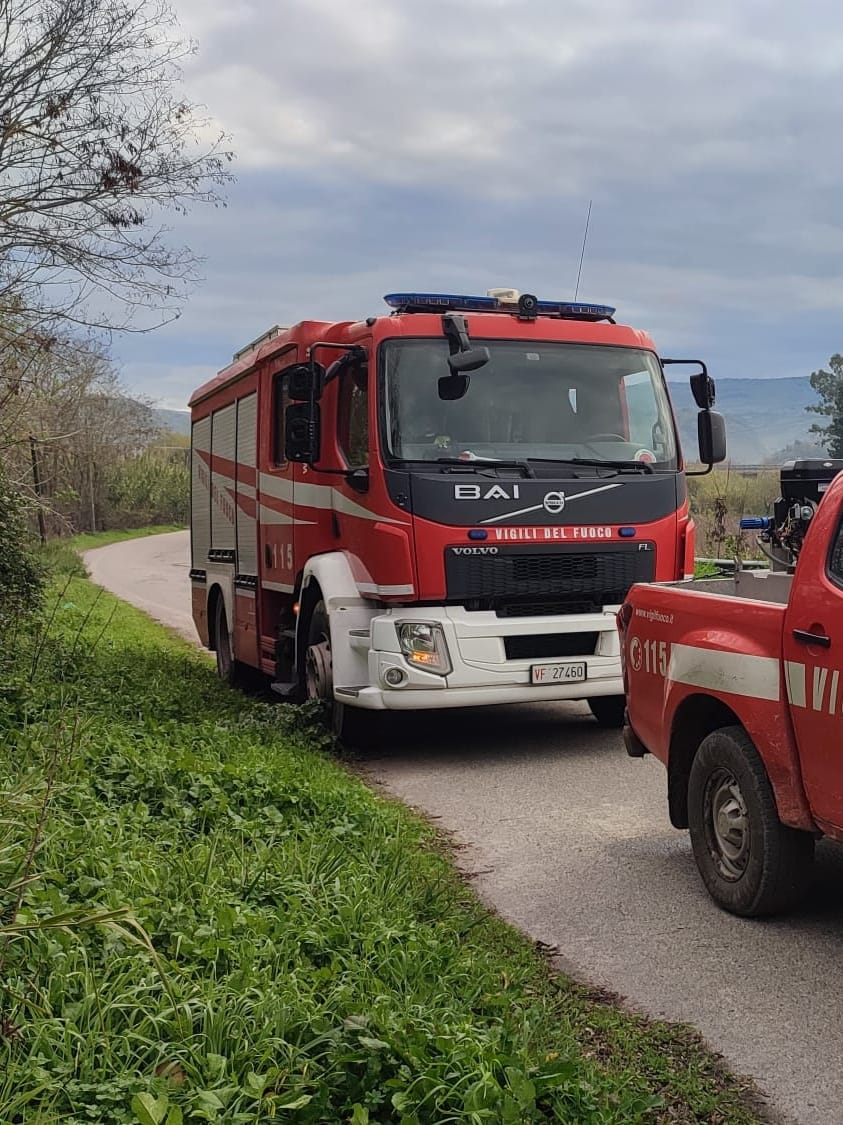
(544, 400)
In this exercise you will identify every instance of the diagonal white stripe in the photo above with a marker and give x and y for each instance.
(322, 496)
(794, 674)
(569, 499)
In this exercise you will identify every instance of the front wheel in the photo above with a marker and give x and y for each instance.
(353, 726)
(608, 710)
(750, 862)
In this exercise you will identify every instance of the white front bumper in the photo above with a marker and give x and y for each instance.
(481, 674)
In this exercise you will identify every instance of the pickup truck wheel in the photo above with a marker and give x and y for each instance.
(352, 726)
(750, 862)
(608, 710)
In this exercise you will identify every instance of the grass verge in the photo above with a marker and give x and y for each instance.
(64, 556)
(87, 542)
(316, 957)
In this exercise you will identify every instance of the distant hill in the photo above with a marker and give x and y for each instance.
(176, 420)
(766, 419)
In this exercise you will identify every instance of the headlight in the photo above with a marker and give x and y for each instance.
(423, 644)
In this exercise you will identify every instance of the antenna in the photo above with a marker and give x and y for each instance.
(582, 255)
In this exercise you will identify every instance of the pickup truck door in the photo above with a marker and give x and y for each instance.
(813, 668)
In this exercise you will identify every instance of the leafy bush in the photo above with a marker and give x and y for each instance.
(20, 581)
(147, 489)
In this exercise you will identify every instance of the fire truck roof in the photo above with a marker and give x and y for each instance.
(587, 323)
(499, 300)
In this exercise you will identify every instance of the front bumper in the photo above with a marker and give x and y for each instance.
(481, 672)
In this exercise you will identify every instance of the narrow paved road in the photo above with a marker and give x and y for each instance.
(152, 574)
(569, 840)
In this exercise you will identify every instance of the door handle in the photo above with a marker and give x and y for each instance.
(818, 639)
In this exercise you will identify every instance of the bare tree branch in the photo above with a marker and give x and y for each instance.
(96, 148)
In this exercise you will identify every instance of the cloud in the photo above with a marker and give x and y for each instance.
(456, 144)
(570, 91)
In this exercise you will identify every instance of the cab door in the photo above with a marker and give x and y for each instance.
(274, 507)
(813, 664)
(351, 496)
(373, 533)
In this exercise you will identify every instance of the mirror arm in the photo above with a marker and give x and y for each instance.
(353, 354)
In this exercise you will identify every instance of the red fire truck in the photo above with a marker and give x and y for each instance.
(440, 507)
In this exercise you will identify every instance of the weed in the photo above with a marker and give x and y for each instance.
(718, 501)
(313, 956)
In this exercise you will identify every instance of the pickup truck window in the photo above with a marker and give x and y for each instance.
(835, 558)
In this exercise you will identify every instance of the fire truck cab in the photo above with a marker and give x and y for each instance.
(441, 507)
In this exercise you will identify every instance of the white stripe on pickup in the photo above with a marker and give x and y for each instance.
(815, 687)
(794, 676)
(736, 672)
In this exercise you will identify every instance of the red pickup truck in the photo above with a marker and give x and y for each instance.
(736, 685)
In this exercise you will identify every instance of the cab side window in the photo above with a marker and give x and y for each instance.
(353, 416)
(835, 558)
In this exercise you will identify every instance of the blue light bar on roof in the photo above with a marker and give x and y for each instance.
(575, 310)
(434, 302)
(443, 302)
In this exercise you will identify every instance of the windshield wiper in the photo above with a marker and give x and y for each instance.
(481, 463)
(597, 462)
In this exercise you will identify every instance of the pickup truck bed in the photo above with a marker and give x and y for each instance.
(758, 585)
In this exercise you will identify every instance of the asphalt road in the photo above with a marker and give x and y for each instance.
(569, 839)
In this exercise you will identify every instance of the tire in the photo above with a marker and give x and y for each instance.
(354, 727)
(608, 710)
(751, 863)
(229, 670)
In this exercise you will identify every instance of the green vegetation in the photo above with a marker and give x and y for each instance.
(313, 956)
(151, 488)
(20, 582)
(718, 501)
(705, 570)
(829, 387)
(87, 541)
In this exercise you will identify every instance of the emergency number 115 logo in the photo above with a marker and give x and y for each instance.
(651, 656)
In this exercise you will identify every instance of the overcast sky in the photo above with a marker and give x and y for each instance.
(454, 145)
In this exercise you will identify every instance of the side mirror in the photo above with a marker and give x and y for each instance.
(702, 388)
(470, 360)
(452, 387)
(711, 435)
(305, 381)
(463, 356)
(302, 432)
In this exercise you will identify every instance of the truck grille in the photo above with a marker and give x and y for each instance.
(549, 574)
(514, 608)
(541, 646)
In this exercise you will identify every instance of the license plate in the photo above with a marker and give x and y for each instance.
(558, 673)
